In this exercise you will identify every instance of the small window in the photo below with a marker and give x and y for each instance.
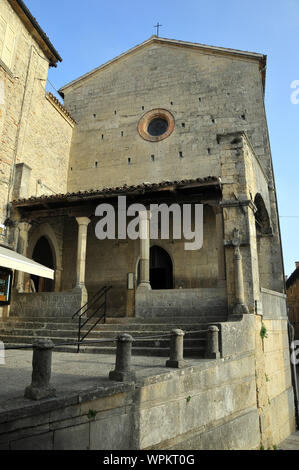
(158, 126)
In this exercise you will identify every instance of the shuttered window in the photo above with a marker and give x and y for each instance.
(7, 42)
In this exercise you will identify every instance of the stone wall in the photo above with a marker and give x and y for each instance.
(45, 304)
(154, 414)
(275, 396)
(205, 94)
(274, 304)
(242, 401)
(32, 129)
(171, 303)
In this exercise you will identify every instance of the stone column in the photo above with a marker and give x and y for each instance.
(176, 359)
(57, 280)
(239, 307)
(41, 371)
(144, 250)
(83, 223)
(122, 371)
(220, 243)
(24, 228)
(212, 349)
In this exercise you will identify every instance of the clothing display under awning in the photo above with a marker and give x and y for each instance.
(12, 260)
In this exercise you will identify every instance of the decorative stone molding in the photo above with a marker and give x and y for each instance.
(150, 116)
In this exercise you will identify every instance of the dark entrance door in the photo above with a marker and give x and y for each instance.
(42, 254)
(161, 271)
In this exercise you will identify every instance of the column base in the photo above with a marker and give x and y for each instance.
(84, 294)
(144, 286)
(120, 376)
(36, 393)
(240, 309)
(176, 364)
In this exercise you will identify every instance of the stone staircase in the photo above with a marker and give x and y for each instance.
(23, 330)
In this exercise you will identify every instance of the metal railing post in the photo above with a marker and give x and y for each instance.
(122, 371)
(79, 335)
(41, 371)
(176, 359)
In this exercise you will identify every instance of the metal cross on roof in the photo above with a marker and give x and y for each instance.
(158, 26)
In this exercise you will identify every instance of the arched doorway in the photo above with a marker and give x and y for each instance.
(161, 269)
(43, 254)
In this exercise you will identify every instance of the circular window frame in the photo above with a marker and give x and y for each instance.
(150, 116)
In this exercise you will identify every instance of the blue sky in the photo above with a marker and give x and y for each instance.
(88, 33)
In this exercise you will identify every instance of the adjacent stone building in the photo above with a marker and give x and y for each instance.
(292, 285)
(166, 122)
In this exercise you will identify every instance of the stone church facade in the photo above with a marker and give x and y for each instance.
(166, 122)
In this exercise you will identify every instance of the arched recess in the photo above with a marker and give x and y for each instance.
(42, 253)
(46, 231)
(262, 220)
(264, 239)
(161, 268)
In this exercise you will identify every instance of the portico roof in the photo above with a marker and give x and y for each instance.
(117, 190)
(162, 190)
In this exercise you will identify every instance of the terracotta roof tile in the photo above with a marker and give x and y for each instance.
(143, 188)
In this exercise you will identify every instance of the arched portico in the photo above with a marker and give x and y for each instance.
(45, 231)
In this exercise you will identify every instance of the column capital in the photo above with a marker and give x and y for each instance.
(24, 226)
(83, 221)
(145, 215)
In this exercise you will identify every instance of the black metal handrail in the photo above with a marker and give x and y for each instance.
(101, 295)
(89, 303)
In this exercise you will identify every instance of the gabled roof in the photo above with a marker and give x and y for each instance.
(36, 31)
(261, 58)
(292, 278)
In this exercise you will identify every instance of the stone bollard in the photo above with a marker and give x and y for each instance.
(122, 371)
(41, 373)
(176, 359)
(212, 350)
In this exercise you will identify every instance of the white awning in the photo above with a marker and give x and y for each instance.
(12, 260)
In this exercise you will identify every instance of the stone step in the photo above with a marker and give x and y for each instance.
(46, 333)
(148, 347)
(100, 327)
(199, 318)
(136, 351)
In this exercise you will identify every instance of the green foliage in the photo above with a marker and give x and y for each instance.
(262, 448)
(263, 332)
(91, 414)
(188, 399)
(274, 447)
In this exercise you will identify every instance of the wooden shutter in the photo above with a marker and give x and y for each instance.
(8, 46)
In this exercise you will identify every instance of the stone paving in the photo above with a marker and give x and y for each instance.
(291, 443)
(70, 373)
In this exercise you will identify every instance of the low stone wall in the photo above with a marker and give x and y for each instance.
(211, 405)
(278, 379)
(45, 304)
(180, 302)
(273, 304)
